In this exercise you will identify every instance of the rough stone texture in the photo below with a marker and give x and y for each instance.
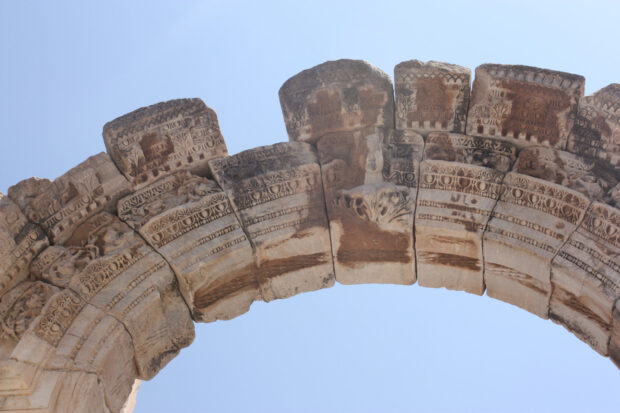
(20, 242)
(586, 277)
(431, 96)
(455, 201)
(518, 207)
(524, 104)
(153, 141)
(277, 194)
(529, 224)
(60, 206)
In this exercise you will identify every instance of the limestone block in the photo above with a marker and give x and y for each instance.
(523, 104)
(190, 222)
(130, 281)
(530, 222)
(20, 242)
(402, 153)
(60, 206)
(337, 96)
(586, 277)
(278, 195)
(614, 342)
(18, 308)
(454, 203)
(581, 174)
(156, 140)
(597, 129)
(431, 96)
(613, 196)
(57, 391)
(454, 147)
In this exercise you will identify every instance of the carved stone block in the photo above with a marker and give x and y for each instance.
(191, 223)
(586, 277)
(614, 341)
(154, 141)
(20, 242)
(59, 207)
(278, 195)
(523, 104)
(402, 153)
(488, 152)
(337, 96)
(431, 96)
(454, 204)
(597, 129)
(530, 222)
(563, 168)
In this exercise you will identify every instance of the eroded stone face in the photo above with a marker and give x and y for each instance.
(59, 207)
(488, 152)
(454, 205)
(614, 341)
(596, 132)
(531, 221)
(586, 277)
(431, 96)
(154, 141)
(278, 195)
(523, 104)
(20, 242)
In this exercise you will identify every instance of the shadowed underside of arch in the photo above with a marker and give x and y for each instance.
(510, 188)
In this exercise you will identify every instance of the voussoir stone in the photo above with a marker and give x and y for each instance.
(614, 341)
(156, 140)
(431, 96)
(586, 277)
(530, 222)
(524, 104)
(20, 242)
(60, 206)
(190, 221)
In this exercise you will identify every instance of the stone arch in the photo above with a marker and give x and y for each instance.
(509, 188)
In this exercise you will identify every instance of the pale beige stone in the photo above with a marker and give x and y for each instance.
(59, 207)
(530, 222)
(431, 96)
(277, 193)
(154, 141)
(586, 277)
(454, 204)
(20, 242)
(189, 220)
(525, 105)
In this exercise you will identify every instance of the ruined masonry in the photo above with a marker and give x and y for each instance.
(511, 188)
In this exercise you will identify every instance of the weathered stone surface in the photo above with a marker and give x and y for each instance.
(596, 132)
(530, 222)
(523, 104)
(20, 242)
(154, 141)
(337, 96)
(614, 341)
(59, 207)
(488, 152)
(586, 277)
(454, 204)
(613, 196)
(402, 153)
(189, 220)
(278, 195)
(18, 308)
(431, 96)
(575, 172)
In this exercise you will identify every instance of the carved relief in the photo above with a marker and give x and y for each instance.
(154, 141)
(402, 153)
(62, 205)
(530, 222)
(523, 104)
(431, 96)
(454, 205)
(277, 193)
(488, 152)
(586, 277)
(20, 242)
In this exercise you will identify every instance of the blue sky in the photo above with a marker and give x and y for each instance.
(69, 67)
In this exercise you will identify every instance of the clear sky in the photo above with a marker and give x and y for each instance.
(69, 67)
